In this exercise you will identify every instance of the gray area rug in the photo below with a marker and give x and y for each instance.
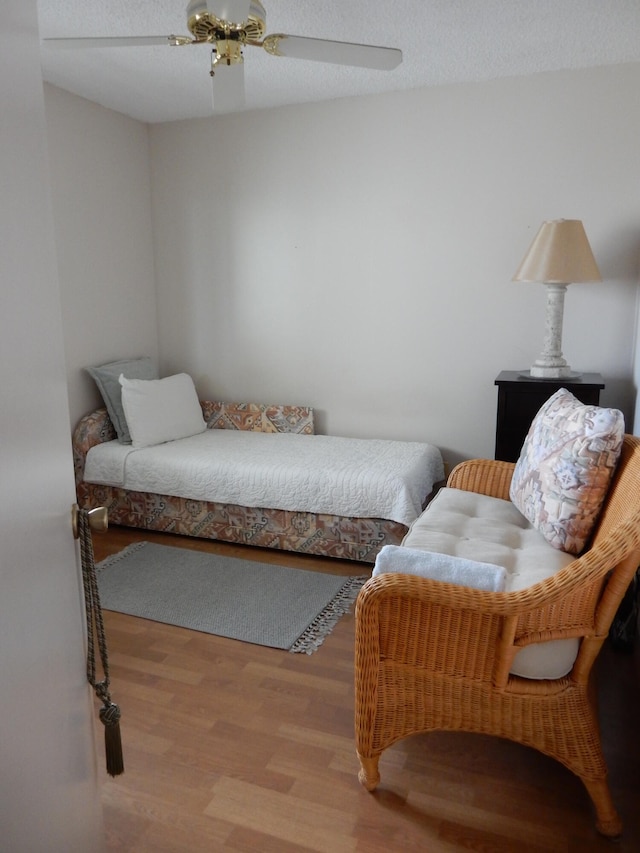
(259, 603)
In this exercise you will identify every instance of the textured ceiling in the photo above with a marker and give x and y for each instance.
(443, 41)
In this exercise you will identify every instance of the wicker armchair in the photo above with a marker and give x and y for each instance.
(434, 656)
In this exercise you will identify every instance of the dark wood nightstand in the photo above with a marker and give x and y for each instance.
(520, 397)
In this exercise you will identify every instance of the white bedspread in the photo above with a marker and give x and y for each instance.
(363, 478)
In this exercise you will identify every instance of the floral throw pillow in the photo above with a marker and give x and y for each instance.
(565, 467)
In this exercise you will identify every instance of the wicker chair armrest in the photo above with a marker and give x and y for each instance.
(424, 624)
(417, 608)
(394, 585)
(457, 631)
(591, 569)
(484, 476)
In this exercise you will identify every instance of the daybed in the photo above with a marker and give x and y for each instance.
(490, 615)
(355, 536)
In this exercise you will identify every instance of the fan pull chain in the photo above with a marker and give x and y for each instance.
(110, 712)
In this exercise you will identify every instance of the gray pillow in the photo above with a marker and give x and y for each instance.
(106, 378)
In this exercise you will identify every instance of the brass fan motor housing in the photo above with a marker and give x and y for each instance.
(206, 27)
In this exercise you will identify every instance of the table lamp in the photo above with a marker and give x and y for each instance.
(559, 255)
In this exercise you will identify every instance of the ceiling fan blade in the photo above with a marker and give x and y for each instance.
(117, 41)
(339, 52)
(233, 11)
(228, 88)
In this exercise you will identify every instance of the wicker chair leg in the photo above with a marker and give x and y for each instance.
(607, 818)
(369, 775)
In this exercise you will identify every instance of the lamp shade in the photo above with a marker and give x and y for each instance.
(559, 254)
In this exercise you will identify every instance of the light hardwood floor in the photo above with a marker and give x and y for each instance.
(234, 747)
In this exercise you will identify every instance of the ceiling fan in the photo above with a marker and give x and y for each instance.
(230, 25)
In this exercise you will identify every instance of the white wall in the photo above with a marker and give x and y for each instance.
(102, 209)
(49, 799)
(357, 255)
(354, 255)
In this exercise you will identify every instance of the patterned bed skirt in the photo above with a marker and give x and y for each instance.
(307, 533)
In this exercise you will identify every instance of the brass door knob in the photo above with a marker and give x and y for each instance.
(98, 519)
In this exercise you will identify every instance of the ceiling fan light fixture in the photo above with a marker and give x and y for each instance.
(228, 52)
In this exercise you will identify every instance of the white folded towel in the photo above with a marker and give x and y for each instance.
(440, 567)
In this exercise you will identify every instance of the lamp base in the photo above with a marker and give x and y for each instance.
(529, 374)
(551, 364)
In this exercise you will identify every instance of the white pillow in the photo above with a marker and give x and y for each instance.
(159, 410)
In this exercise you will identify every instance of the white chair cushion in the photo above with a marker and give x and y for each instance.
(490, 530)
